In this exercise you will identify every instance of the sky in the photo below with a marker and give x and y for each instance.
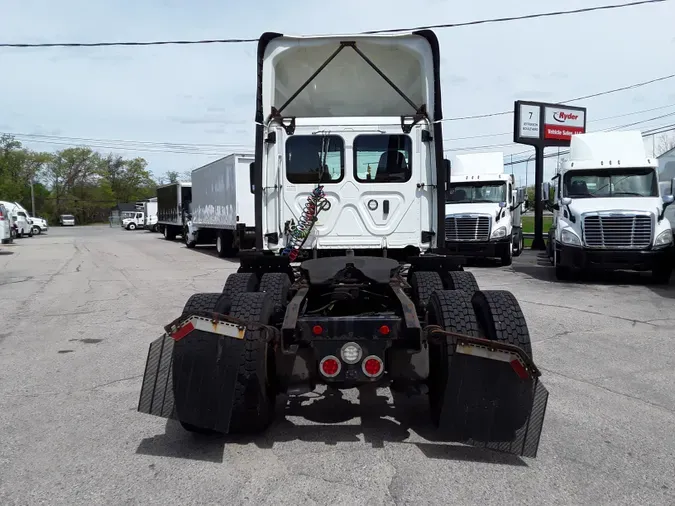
(180, 107)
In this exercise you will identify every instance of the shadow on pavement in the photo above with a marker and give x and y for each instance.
(328, 414)
(537, 266)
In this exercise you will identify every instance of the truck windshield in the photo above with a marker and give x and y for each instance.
(304, 155)
(68, 217)
(463, 193)
(629, 182)
(125, 214)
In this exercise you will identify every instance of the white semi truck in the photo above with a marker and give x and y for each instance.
(173, 202)
(608, 210)
(221, 210)
(349, 179)
(483, 209)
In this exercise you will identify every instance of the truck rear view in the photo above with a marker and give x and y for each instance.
(350, 285)
(173, 201)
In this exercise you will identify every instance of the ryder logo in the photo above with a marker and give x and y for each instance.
(561, 116)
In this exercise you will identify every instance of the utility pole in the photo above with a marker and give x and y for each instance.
(32, 196)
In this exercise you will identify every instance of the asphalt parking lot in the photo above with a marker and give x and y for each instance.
(81, 305)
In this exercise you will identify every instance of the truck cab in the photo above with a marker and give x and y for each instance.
(609, 209)
(483, 209)
(342, 170)
(131, 220)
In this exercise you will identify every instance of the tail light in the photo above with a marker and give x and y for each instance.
(330, 366)
(2, 216)
(372, 366)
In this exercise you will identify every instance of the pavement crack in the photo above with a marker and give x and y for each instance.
(588, 311)
(622, 394)
(135, 376)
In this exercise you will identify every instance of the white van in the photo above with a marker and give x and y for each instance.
(20, 217)
(5, 226)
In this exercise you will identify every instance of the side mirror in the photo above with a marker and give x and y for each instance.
(566, 201)
(251, 176)
(502, 204)
(447, 166)
(520, 196)
(667, 199)
(672, 186)
(545, 191)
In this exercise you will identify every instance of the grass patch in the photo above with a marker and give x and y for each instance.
(528, 224)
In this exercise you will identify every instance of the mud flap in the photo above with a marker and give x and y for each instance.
(493, 398)
(191, 372)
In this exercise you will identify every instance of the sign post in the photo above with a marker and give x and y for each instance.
(544, 125)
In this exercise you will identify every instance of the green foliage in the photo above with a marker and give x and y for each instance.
(76, 181)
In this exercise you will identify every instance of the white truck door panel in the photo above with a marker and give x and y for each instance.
(362, 213)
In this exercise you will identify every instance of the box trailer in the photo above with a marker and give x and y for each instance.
(173, 201)
(222, 208)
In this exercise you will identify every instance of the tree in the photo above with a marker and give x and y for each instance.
(172, 176)
(665, 144)
(75, 180)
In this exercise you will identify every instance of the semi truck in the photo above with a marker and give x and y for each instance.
(608, 208)
(483, 209)
(221, 210)
(349, 284)
(173, 203)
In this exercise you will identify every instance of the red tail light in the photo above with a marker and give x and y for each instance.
(372, 366)
(330, 366)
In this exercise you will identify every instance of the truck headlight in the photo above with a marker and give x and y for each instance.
(499, 233)
(569, 237)
(664, 238)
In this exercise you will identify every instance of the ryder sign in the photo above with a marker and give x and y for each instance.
(560, 123)
(547, 125)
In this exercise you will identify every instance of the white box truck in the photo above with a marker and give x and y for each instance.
(222, 209)
(608, 208)
(173, 201)
(150, 214)
(483, 209)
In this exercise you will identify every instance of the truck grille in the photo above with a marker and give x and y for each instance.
(465, 228)
(626, 231)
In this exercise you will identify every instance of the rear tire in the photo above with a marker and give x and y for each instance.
(424, 284)
(501, 319)
(169, 233)
(277, 284)
(452, 311)
(240, 282)
(202, 302)
(461, 280)
(255, 393)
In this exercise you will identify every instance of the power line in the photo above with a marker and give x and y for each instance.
(593, 95)
(187, 148)
(371, 32)
(510, 132)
